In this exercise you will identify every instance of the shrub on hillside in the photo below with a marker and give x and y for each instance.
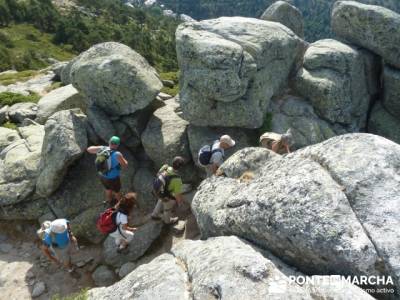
(8, 98)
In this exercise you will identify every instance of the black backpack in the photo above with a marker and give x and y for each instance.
(160, 185)
(206, 153)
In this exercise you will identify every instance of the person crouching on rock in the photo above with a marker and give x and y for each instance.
(278, 143)
(123, 235)
(167, 187)
(108, 165)
(57, 240)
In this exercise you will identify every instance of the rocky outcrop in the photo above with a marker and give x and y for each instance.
(143, 184)
(335, 79)
(63, 98)
(142, 240)
(103, 276)
(299, 115)
(19, 164)
(166, 137)
(64, 142)
(383, 123)
(20, 111)
(372, 27)
(320, 209)
(7, 137)
(231, 67)
(286, 14)
(391, 93)
(115, 78)
(100, 123)
(224, 267)
(4, 114)
(200, 136)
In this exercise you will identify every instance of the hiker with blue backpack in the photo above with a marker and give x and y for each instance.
(108, 165)
(167, 188)
(211, 157)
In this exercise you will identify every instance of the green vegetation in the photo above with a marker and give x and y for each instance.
(10, 78)
(10, 125)
(8, 98)
(174, 76)
(75, 30)
(82, 295)
(55, 85)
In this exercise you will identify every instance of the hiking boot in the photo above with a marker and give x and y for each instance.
(156, 218)
(123, 250)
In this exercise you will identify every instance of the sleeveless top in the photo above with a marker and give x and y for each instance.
(115, 169)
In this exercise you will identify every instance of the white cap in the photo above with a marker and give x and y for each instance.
(59, 226)
(227, 140)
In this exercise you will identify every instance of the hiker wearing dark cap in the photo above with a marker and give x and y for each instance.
(278, 143)
(108, 164)
(167, 187)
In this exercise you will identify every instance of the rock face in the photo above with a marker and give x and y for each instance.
(143, 183)
(231, 67)
(299, 115)
(115, 78)
(142, 240)
(391, 85)
(166, 137)
(103, 276)
(64, 142)
(18, 112)
(63, 98)
(335, 79)
(7, 137)
(222, 268)
(100, 123)
(286, 14)
(372, 27)
(321, 208)
(19, 164)
(4, 114)
(383, 123)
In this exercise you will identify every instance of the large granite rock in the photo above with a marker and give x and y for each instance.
(200, 136)
(324, 209)
(231, 67)
(18, 112)
(391, 90)
(115, 78)
(372, 27)
(100, 123)
(383, 123)
(299, 115)
(63, 98)
(166, 137)
(64, 142)
(286, 14)
(4, 114)
(143, 184)
(218, 268)
(335, 79)
(142, 240)
(7, 137)
(19, 164)
(103, 276)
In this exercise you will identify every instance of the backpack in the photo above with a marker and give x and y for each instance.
(206, 153)
(103, 161)
(160, 185)
(106, 222)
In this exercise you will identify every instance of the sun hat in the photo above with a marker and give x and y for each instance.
(58, 226)
(227, 140)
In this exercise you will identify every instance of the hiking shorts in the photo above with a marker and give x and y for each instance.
(122, 234)
(111, 184)
(64, 254)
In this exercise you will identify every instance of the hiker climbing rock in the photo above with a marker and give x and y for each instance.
(57, 242)
(108, 164)
(278, 143)
(211, 156)
(167, 187)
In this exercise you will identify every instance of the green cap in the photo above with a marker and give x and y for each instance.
(115, 140)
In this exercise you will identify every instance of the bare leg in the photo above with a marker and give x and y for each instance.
(109, 195)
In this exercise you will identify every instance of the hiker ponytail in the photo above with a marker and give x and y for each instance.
(127, 203)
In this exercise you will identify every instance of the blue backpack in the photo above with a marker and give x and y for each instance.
(206, 153)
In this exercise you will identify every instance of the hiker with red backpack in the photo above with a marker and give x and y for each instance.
(167, 187)
(211, 157)
(114, 221)
(108, 165)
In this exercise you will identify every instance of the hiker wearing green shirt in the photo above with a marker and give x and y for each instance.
(167, 187)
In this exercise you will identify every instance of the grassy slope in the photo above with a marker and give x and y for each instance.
(26, 38)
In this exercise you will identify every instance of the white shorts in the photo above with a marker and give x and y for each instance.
(121, 234)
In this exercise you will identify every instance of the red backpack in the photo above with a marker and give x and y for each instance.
(106, 222)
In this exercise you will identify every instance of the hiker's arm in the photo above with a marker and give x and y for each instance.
(287, 149)
(122, 161)
(214, 168)
(126, 227)
(71, 236)
(47, 253)
(93, 149)
(179, 198)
